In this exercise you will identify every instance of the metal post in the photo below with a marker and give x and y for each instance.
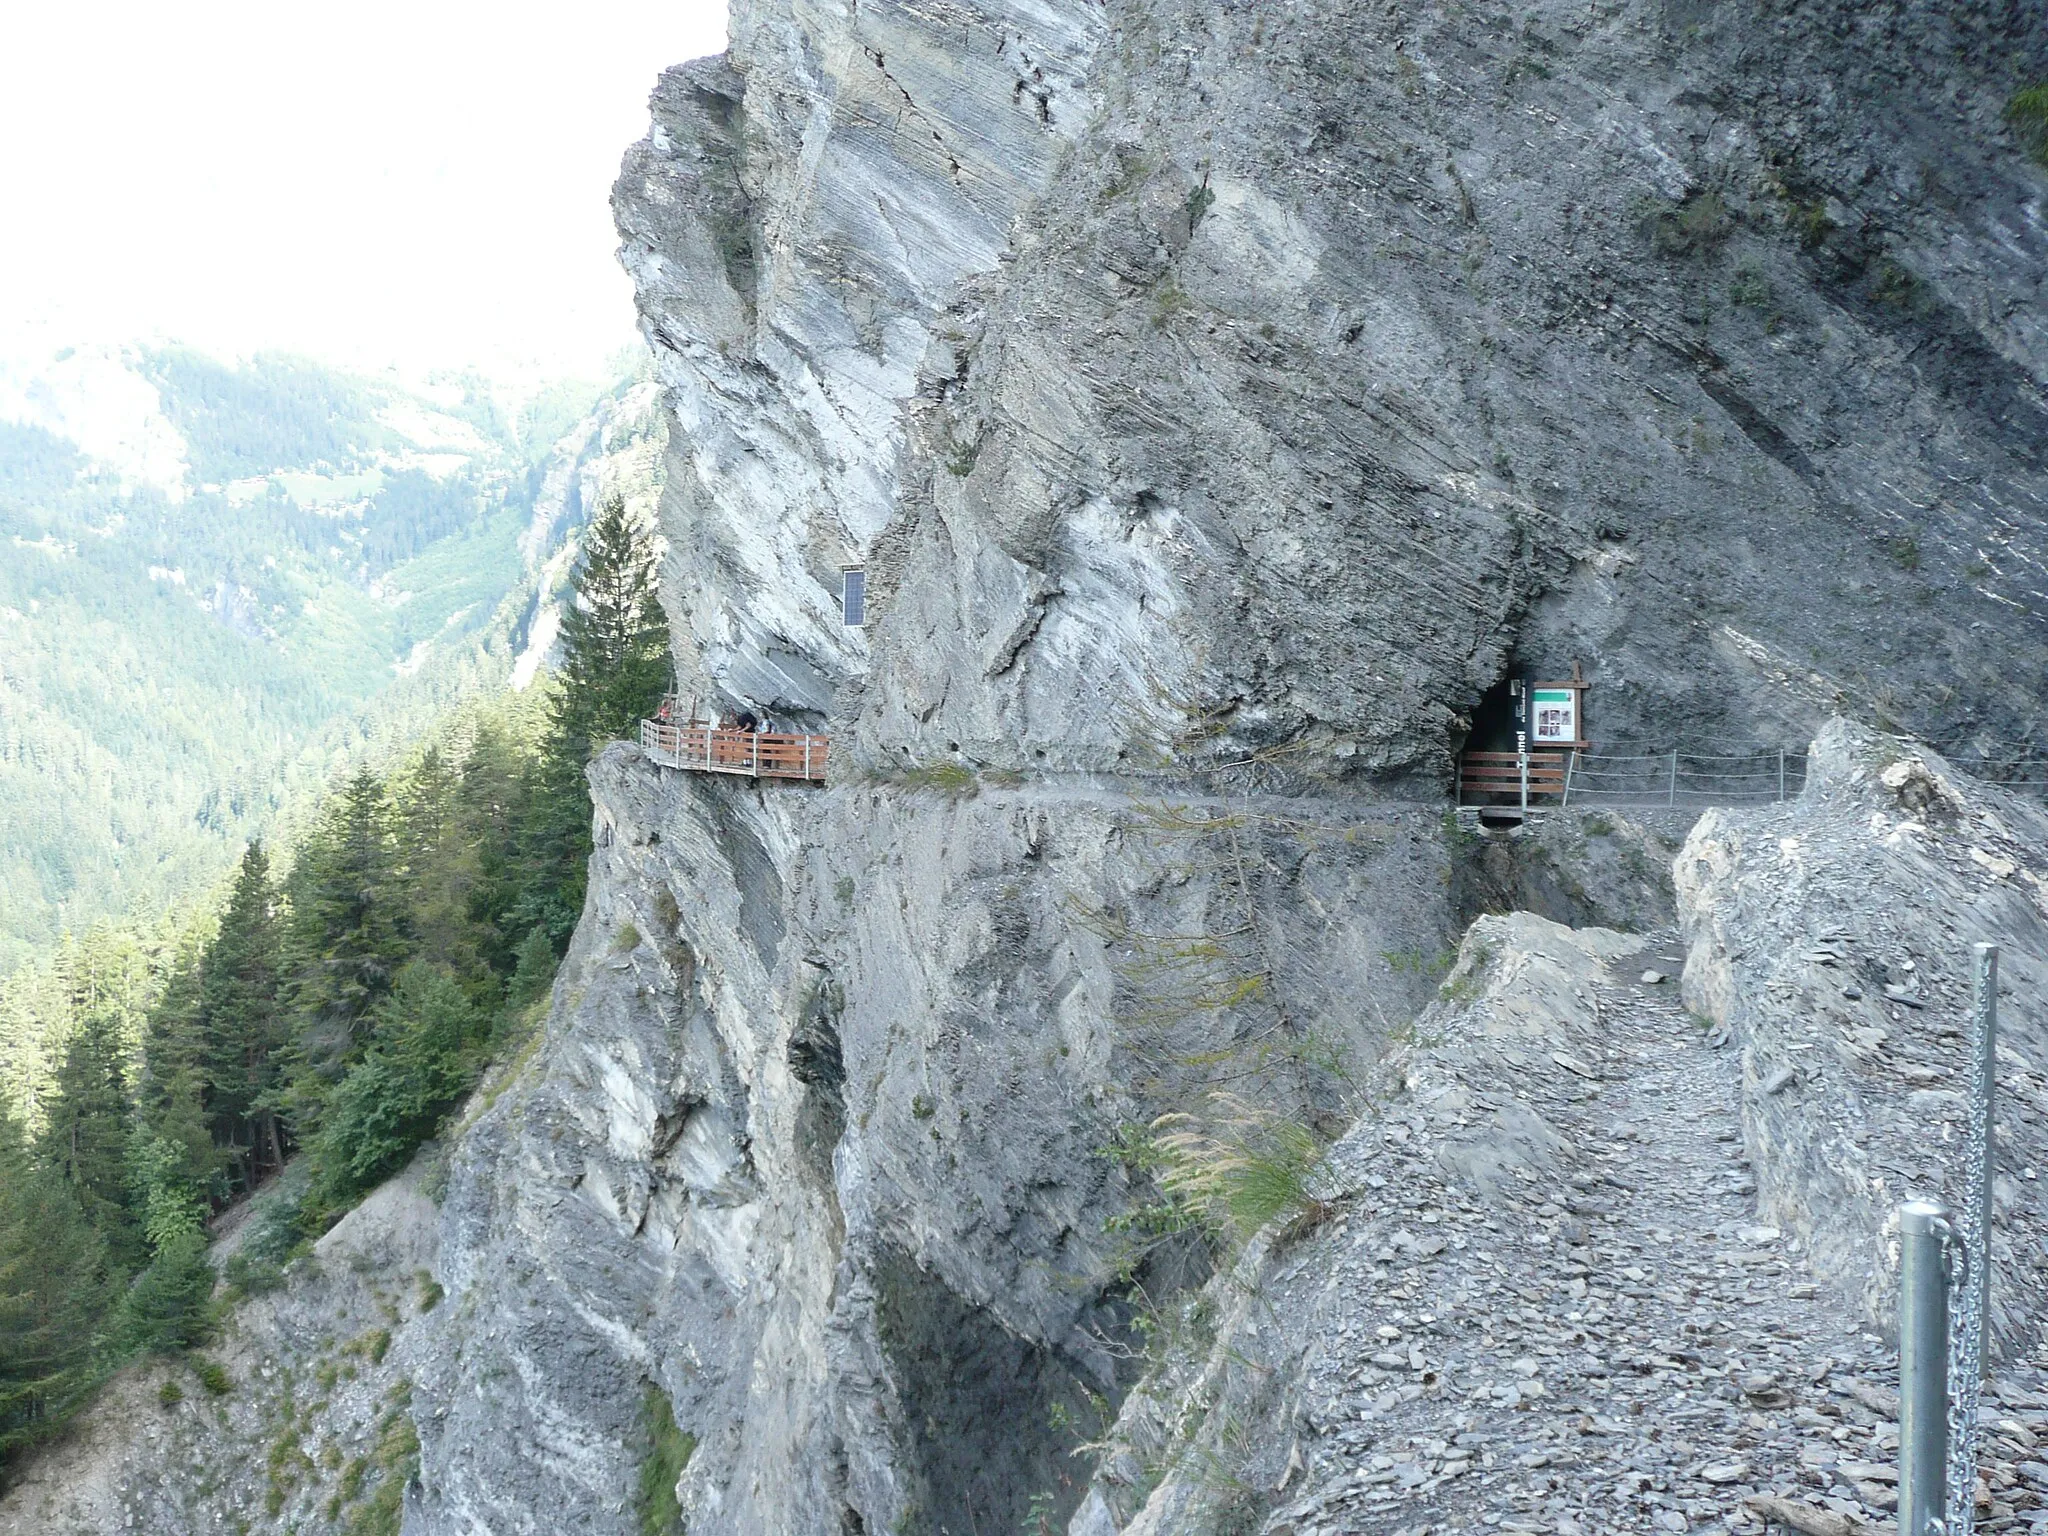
(1671, 799)
(1571, 761)
(1781, 774)
(1522, 759)
(1923, 1369)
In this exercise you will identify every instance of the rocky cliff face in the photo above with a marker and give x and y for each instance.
(1221, 399)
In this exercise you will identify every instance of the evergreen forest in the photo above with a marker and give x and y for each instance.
(328, 564)
(310, 1029)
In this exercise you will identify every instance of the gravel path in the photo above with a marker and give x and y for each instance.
(1612, 1343)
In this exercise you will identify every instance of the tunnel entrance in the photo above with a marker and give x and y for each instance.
(1497, 718)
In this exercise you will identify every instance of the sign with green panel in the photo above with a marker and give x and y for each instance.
(1554, 714)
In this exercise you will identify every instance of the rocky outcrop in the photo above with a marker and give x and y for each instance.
(1197, 382)
(1222, 399)
(1831, 940)
(1219, 405)
(1574, 1271)
(814, 1143)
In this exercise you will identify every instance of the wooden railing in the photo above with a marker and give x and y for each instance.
(705, 748)
(1482, 775)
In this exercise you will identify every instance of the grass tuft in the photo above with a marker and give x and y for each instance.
(2028, 114)
(669, 1449)
(1245, 1169)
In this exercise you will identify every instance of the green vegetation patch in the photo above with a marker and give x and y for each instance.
(2028, 114)
(667, 1453)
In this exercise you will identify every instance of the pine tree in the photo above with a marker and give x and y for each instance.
(348, 932)
(52, 1296)
(85, 1142)
(614, 639)
(614, 667)
(492, 807)
(242, 1027)
(441, 867)
(170, 1094)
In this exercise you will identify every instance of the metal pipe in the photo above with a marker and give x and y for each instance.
(1671, 799)
(1522, 760)
(1923, 1368)
(1571, 762)
(1781, 773)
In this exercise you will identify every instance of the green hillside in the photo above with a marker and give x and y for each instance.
(179, 662)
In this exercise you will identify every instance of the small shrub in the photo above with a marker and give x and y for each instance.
(248, 1276)
(669, 1449)
(1904, 550)
(1200, 201)
(626, 939)
(379, 1346)
(843, 889)
(214, 1377)
(921, 1108)
(431, 1294)
(170, 1394)
(1750, 289)
(2028, 114)
(960, 459)
(1810, 222)
(1697, 225)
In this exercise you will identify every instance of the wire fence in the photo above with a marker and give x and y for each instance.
(1681, 779)
(1678, 780)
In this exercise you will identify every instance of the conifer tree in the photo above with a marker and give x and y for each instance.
(614, 662)
(169, 1096)
(493, 805)
(441, 861)
(52, 1295)
(242, 1024)
(348, 930)
(614, 666)
(85, 1141)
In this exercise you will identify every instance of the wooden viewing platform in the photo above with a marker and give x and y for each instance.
(705, 748)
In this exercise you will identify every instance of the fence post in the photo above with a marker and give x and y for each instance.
(1571, 761)
(1671, 799)
(1522, 761)
(1923, 1368)
(1781, 775)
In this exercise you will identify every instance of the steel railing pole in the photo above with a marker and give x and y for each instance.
(1923, 1368)
(1571, 761)
(1522, 762)
(1781, 774)
(1671, 797)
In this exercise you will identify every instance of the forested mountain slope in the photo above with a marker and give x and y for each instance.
(221, 583)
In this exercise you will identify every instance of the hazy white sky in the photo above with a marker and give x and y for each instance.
(420, 182)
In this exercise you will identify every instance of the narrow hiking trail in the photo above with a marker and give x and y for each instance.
(1552, 1306)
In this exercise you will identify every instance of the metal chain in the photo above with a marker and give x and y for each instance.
(1966, 1290)
(1964, 1328)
